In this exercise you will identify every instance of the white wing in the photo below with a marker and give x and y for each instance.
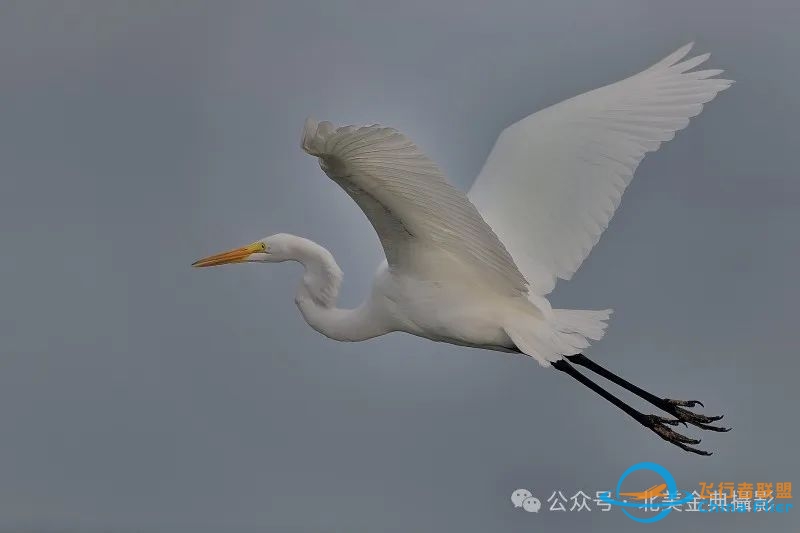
(553, 180)
(409, 202)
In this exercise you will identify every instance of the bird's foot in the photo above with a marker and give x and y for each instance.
(659, 426)
(677, 408)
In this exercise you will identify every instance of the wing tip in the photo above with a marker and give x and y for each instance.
(309, 134)
(314, 136)
(677, 55)
(678, 63)
(672, 58)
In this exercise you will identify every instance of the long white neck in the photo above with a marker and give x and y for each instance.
(316, 297)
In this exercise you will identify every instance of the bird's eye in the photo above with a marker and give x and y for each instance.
(263, 247)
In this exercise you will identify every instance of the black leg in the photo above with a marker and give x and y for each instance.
(656, 424)
(673, 407)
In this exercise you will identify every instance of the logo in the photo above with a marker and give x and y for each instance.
(649, 494)
(523, 498)
(662, 496)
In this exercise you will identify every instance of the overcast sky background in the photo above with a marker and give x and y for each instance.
(138, 394)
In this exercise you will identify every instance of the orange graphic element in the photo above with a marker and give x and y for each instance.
(784, 490)
(745, 491)
(706, 489)
(726, 488)
(763, 491)
(649, 494)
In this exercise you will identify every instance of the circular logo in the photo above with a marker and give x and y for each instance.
(519, 496)
(666, 507)
(532, 504)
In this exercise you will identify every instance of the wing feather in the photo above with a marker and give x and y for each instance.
(409, 201)
(554, 179)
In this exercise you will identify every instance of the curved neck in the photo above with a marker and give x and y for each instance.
(316, 297)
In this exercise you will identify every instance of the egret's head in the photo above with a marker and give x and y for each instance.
(273, 249)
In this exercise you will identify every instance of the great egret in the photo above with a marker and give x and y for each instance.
(475, 269)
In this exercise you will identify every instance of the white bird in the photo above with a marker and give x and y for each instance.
(475, 269)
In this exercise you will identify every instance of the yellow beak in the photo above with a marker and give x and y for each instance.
(237, 255)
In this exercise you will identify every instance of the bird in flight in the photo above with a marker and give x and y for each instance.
(475, 269)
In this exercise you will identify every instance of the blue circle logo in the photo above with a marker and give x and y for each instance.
(666, 507)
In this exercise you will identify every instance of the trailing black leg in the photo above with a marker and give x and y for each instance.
(673, 407)
(656, 424)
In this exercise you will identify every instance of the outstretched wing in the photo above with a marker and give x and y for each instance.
(409, 202)
(554, 179)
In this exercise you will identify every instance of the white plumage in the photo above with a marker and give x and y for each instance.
(410, 202)
(554, 179)
(474, 269)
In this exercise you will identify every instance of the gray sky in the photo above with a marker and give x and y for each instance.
(138, 394)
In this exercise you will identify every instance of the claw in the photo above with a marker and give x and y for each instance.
(670, 421)
(676, 409)
(685, 403)
(693, 450)
(718, 429)
(657, 425)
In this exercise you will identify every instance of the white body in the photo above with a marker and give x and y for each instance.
(445, 302)
(453, 312)
(475, 269)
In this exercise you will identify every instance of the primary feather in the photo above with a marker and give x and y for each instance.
(554, 179)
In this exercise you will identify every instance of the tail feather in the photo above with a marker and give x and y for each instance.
(590, 324)
(568, 332)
